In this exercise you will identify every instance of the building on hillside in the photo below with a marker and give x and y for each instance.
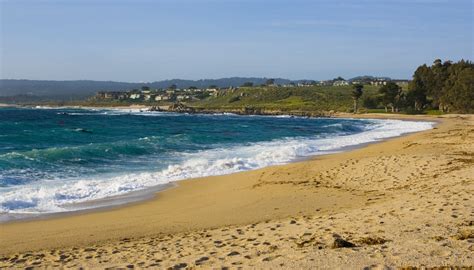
(162, 98)
(306, 83)
(148, 97)
(340, 83)
(182, 97)
(379, 82)
(111, 95)
(325, 83)
(136, 96)
(212, 92)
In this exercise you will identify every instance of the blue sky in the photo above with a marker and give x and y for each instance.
(193, 39)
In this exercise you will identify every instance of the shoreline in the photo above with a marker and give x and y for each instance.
(263, 112)
(347, 194)
(115, 202)
(250, 111)
(149, 193)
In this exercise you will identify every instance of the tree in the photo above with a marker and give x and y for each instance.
(439, 75)
(247, 84)
(193, 87)
(443, 85)
(370, 102)
(173, 87)
(270, 82)
(145, 88)
(462, 92)
(458, 90)
(213, 86)
(356, 94)
(418, 88)
(392, 95)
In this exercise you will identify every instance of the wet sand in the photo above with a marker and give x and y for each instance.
(403, 202)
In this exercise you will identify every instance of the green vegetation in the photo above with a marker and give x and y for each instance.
(311, 98)
(356, 94)
(391, 95)
(446, 86)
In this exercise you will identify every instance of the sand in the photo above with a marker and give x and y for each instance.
(403, 202)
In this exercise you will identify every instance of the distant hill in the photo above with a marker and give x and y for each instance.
(84, 88)
(33, 90)
(368, 78)
(59, 89)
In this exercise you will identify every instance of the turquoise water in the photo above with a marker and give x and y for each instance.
(50, 158)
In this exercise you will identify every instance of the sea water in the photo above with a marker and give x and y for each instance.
(65, 159)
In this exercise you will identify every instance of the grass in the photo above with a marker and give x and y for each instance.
(434, 112)
(315, 98)
(377, 111)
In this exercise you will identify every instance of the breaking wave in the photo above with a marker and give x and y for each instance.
(59, 195)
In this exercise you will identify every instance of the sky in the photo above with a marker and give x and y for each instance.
(144, 40)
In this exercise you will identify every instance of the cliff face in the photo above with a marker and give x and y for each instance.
(180, 107)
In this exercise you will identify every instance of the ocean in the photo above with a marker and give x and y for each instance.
(67, 159)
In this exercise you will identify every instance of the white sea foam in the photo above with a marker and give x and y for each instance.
(131, 111)
(52, 196)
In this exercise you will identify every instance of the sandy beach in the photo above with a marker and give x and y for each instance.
(404, 202)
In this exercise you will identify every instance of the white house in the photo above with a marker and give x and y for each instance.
(340, 83)
(135, 96)
(162, 98)
(182, 97)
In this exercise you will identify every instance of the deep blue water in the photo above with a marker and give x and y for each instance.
(52, 157)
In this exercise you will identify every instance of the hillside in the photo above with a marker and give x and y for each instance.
(314, 98)
(67, 90)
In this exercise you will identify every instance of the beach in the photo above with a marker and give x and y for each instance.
(406, 201)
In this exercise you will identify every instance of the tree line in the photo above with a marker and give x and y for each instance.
(446, 86)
